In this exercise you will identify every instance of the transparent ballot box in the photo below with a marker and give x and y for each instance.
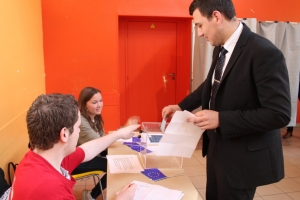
(150, 140)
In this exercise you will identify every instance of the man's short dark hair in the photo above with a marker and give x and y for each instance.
(207, 7)
(46, 117)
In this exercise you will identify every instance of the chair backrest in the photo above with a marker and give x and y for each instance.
(87, 174)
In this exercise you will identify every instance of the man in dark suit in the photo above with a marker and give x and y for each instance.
(243, 110)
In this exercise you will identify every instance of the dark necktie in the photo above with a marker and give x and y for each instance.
(215, 86)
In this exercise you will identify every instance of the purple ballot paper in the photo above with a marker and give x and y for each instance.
(134, 141)
(138, 148)
(130, 143)
(154, 174)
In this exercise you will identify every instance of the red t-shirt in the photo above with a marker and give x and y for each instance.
(36, 178)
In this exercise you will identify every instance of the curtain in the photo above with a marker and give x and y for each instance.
(286, 36)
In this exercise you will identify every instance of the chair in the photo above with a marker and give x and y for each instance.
(94, 174)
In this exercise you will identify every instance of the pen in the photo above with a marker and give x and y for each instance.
(129, 185)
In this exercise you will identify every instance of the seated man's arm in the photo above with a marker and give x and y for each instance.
(94, 147)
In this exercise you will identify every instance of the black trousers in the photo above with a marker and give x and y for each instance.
(217, 186)
(97, 163)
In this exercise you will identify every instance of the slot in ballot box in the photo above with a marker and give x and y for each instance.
(150, 140)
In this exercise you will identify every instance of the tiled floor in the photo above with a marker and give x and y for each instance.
(286, 189)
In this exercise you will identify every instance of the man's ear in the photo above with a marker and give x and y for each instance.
(64, 135)
(217, 16)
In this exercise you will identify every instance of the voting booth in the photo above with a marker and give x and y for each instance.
(151, 137)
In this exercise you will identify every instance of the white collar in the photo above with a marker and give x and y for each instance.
(232, 40)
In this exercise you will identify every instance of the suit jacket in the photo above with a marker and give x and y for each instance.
(253, 101)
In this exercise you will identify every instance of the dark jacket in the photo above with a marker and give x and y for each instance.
(253, 102)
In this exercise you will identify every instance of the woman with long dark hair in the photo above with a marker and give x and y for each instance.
(92, 127)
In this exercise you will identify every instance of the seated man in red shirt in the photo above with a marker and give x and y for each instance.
(53, 127)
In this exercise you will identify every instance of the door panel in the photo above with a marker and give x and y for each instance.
(151, 68)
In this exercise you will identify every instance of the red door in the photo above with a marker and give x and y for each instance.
(151, 63)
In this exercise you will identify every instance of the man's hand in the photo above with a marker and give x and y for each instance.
(206, 119)
(168, 111)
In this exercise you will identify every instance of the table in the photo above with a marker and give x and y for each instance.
(116, 182)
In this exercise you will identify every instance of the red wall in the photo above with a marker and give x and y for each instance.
(268, 10)
(81, 44)
(81, 40)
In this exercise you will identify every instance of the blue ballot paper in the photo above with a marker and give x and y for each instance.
(154, 174)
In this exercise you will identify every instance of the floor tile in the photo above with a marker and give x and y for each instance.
(198, 181)
(197, 153)
(190, 161)
(202, 193)
(256, 194)
(288, 185)
(295, 151)
(268, 190)
(90, 181)
(292, 171)
(258, 198)
(297, 179)
(294, 195)
(194, 170)
(286, 162)
(80, 182)
(291, 160)
(277, 197)
(286, 152)
(201, 160)
(78, 190)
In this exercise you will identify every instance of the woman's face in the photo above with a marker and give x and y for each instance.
(94, 105)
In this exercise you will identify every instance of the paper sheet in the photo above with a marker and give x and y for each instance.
(180, 137)
(163, 125)
(124, 164)
(147, 191)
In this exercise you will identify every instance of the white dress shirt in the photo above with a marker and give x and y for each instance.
(229, 46)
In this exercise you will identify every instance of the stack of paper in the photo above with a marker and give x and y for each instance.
(147, 191)
(124, 164)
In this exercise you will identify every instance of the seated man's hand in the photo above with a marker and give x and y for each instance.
(127, 193)
(127, 132)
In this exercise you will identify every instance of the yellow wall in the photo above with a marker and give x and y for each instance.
(21, 73)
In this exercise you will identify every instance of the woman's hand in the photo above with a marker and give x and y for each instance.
(132, 120)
